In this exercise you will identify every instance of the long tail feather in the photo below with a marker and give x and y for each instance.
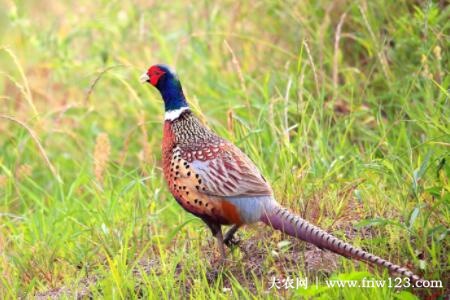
(291, 224)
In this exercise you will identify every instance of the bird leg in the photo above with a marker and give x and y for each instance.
(217, 232)
(219, 237)
(229, 239)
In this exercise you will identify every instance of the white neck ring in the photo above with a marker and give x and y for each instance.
(174, 114)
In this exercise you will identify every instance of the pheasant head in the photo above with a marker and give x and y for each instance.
(168, 84)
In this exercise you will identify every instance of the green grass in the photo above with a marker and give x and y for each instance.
(352, 135)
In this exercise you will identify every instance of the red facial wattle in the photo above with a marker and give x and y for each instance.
(155, 73)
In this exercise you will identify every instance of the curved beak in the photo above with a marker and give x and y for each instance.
(144, 78)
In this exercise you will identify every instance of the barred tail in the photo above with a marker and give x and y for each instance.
(293, 225)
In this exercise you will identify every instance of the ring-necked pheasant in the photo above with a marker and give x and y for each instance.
(214, 180)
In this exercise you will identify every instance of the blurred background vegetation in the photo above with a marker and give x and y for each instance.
(343, 105)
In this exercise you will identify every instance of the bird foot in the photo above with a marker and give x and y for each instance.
(232, 242)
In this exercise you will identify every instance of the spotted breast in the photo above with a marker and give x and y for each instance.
(187, 150)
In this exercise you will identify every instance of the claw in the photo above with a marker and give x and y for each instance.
(232, 242)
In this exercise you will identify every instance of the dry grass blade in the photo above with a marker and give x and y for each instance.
(230, 122)
(380, 53)
(236, 65)
(313, 66)
(146, 152)
(3, 181)
(336, 54)
(96, 80)
(286, 110)
(238, 68)
(250, 38)
(102, 152)
(26, 87)
(36, 140)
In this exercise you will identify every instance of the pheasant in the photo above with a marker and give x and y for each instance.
(214, 180)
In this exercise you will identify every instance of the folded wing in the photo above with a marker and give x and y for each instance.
(229, 173)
